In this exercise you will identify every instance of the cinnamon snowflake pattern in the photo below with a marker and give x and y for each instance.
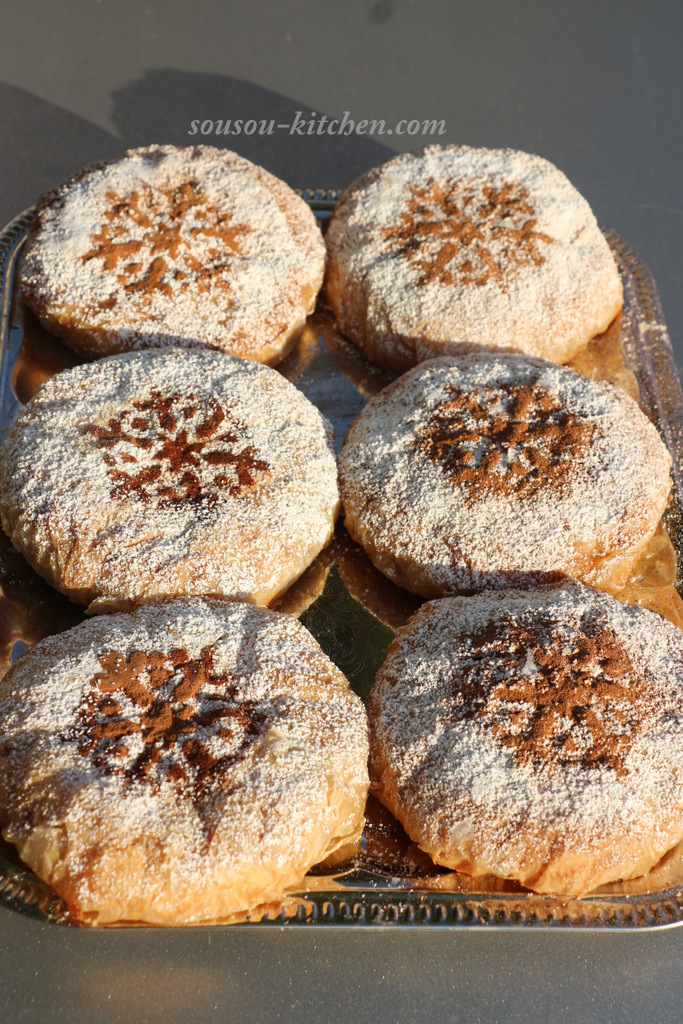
(510, 442)
(458, 235)
(554, 699)
(168, 450)
(154, 717)
(148, 241)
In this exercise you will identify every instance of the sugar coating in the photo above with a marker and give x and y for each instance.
(166, 246)
(280, 781)
(460, 755)
(437, 529)
(453, 249)
(166, 472)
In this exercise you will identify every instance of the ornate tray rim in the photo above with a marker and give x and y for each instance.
(361, 898)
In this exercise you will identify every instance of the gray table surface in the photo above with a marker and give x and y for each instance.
(595, 87)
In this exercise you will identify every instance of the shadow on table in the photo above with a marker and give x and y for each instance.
(44, 143)
(163, 105)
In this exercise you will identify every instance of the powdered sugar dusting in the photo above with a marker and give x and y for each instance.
(174, 247)
(454, 248)
(487, 470)
(247, 749)
(471, 751)
(157, 473)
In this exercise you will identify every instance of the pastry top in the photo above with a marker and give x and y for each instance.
(165, 472)
(167, 246)
(168, 756)
(483, 469)
(537, 735)
(456, 249)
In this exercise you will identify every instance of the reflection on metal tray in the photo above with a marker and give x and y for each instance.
(352, 610)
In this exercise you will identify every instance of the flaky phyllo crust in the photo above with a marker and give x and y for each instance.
(181, 764)
(452, 249)
(485, 471)
(534, 735)
(193, 247)
(162, 473)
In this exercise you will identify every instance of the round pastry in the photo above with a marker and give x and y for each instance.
(161, 473)
(180, 763)
(535, 735)
(181, 247)
(454, 249)
(486, 471)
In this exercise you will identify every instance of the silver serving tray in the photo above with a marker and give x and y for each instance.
(387, 882)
